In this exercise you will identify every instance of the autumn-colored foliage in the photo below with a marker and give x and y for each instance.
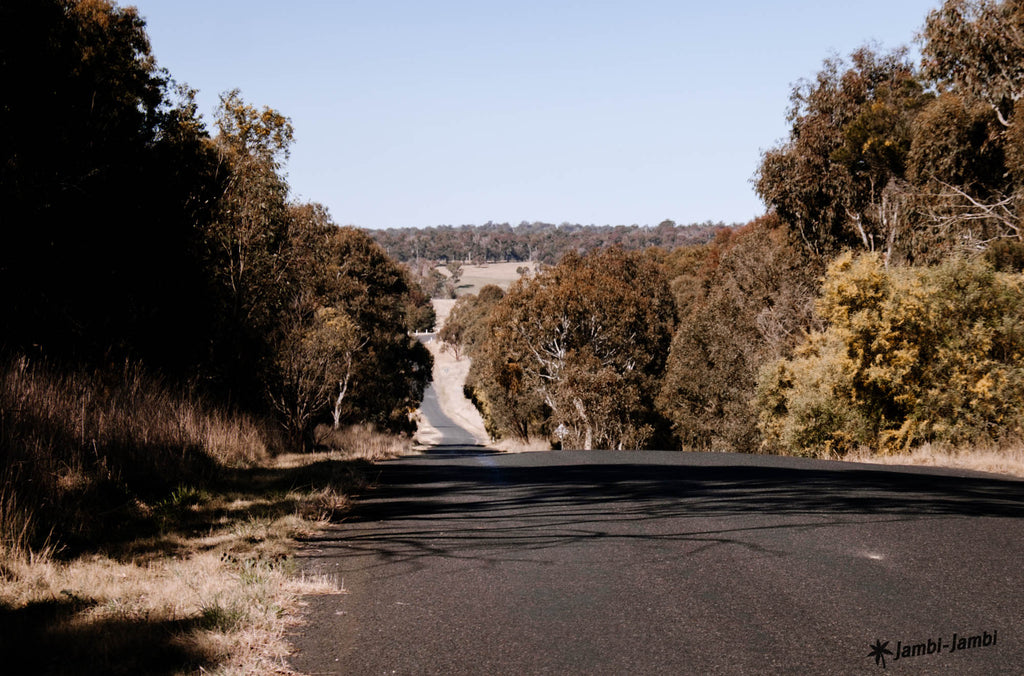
(743, 299)
(589, 337)
(908, 356)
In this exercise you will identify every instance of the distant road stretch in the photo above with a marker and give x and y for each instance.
(451, 433)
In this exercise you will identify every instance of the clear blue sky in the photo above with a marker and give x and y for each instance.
(414, 113)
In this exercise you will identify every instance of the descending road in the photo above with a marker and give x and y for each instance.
(452, 435)
(444, 408)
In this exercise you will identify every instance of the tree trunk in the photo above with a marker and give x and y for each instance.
(342, 390)
(588, 434)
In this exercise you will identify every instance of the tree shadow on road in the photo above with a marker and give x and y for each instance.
(411, 490)
(453, 508)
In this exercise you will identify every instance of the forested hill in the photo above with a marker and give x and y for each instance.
(541, 242)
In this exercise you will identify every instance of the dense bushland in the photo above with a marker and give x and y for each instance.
(920, 170)
(742, 300)
(908, 356)
(874, 308)
(155, 280)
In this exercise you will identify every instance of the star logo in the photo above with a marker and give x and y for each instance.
(879, 650)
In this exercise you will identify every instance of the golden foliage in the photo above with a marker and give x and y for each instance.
(909, 356)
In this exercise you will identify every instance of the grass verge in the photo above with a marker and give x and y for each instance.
(144, 531)
(1009, 461)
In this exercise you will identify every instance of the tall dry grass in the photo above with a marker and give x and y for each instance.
(174, 519)
(361, 442)
(79, 448)
(1007, 460)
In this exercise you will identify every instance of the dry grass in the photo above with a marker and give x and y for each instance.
(1009, 461)
(143, 531)
(214, 591)
(475, 277)
(362, 442)
(206, 612)
(81, 446)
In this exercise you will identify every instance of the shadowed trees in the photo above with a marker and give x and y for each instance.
(130, 233)
(390, 375)
(344, 351)
(104, 178)
(972, 53)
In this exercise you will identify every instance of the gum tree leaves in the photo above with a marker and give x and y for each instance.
(836, 179)
(590, 337)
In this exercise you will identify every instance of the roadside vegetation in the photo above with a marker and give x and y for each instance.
(194, 370)
(146, 530)
(873, 313)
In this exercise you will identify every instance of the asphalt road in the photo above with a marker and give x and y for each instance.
(469, 562)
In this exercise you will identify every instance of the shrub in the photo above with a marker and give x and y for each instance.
(908, 356)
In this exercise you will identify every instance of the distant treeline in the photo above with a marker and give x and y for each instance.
(538, 242)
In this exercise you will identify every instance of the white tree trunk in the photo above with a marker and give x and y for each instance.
(588, 429)
(342, 390)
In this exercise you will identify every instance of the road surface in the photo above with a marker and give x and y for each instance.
(452, 435)
(469, 562)
(444, 406)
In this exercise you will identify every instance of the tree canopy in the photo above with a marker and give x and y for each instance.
(132, 233)
(590, 337)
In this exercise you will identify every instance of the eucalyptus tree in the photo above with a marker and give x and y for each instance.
(589, 338)
(973, 53)
(839, 178)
